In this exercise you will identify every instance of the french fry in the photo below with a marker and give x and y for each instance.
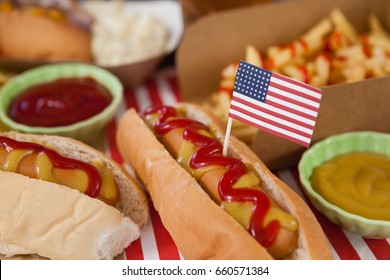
(297, 72)
(320, 71)
(343, 25)
(376, 27)
(253, 56)
(314, 36)
(378, 64)
(303, 47)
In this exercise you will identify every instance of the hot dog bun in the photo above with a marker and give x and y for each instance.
(57, 222)
(198, 226)
(27, 34)
(67, 213)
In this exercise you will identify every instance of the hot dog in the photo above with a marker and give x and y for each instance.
(77, 202)
(178, 156)
(52, 30)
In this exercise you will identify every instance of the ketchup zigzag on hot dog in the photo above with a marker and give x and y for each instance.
(215, 206)
(62, 199)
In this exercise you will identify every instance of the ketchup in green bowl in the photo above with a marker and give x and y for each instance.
(60, 102)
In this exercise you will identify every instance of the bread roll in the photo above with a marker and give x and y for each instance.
(57, 222)
(25, 35)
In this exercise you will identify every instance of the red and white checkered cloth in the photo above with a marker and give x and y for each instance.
(155, 242)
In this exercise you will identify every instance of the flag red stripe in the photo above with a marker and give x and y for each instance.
(134, 251)
(291, 110)
(167, 249)
(287, 109)
(295, 92)
(333, 232)
(271, 131)
(379, 247)
(289, 100)
(274, 123)
(273, 113)
(298, 83)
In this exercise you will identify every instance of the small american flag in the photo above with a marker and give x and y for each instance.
(275, 103)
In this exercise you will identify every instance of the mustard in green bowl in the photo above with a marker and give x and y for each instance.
(345, 159)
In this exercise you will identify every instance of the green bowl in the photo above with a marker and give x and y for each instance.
(86, 130)
(329, 148)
